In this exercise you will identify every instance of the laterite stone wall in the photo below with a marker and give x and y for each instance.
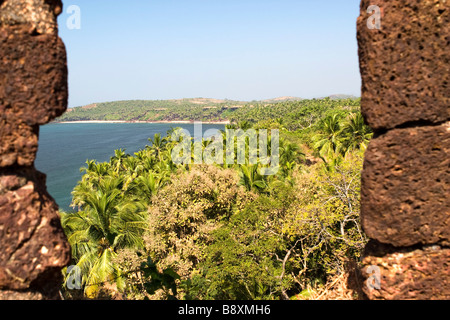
(33, 91)
(405, 200)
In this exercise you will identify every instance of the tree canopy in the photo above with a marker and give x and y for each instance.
(144, 227)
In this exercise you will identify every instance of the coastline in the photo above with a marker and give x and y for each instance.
(150, 122)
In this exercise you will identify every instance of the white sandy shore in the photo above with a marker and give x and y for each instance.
(121, 121)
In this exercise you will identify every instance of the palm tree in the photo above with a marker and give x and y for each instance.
(95, 169)
(286, 171)
(116, 161)
(158, 145)
(146, 159)
(231, 127)
(150, 183)
(289, 152)
(251, 179)
(244, 125)
(329, 140)
(130, 164)
(356, 133)
(281, 123)
(106, 223)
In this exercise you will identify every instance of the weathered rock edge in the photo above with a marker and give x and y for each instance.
(33, 92)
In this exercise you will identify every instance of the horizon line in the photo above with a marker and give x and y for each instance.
(350, 96)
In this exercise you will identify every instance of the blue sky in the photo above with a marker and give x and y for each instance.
(234, 49)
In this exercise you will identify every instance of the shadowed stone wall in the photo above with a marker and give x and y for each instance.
(33, 91)
(405, 200)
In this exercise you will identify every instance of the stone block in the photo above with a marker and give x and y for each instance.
(415, 275)
(33, 91)
(405, 197)
(34, 247)
(405, 65)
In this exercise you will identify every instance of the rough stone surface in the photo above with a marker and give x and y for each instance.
(405, 66)
(405, 192)
(18, 145)
(33, 91)
(17, 295)
(39, 15)
(415, 275)
(33, 77)
(405, 198)
(33, 244)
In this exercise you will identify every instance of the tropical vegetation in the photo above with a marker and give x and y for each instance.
(144, 227)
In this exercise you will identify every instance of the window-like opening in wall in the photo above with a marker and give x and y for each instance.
(276, 82)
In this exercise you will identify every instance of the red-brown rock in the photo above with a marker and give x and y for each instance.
(415, 275)
(39, 15)
(33, 77)
(406, 186)
(33, 91)
(34, 248)
(405, 66)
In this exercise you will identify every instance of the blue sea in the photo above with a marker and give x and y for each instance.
(64, 148)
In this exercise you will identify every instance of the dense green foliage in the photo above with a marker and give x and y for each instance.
(145, 227)
(295, 114)
(155, 110)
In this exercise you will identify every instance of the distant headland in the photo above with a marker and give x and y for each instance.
(181, 111)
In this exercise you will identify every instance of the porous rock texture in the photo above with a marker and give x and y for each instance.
(33, 91)
(406, 187)
(405, 196)
(418, 274)
(38, 15)
(405, 65)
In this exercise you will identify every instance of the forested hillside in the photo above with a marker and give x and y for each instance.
(144, 227)
(155, 110)
(199, 109)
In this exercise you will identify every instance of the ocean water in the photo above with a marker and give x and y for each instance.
(65, 148)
